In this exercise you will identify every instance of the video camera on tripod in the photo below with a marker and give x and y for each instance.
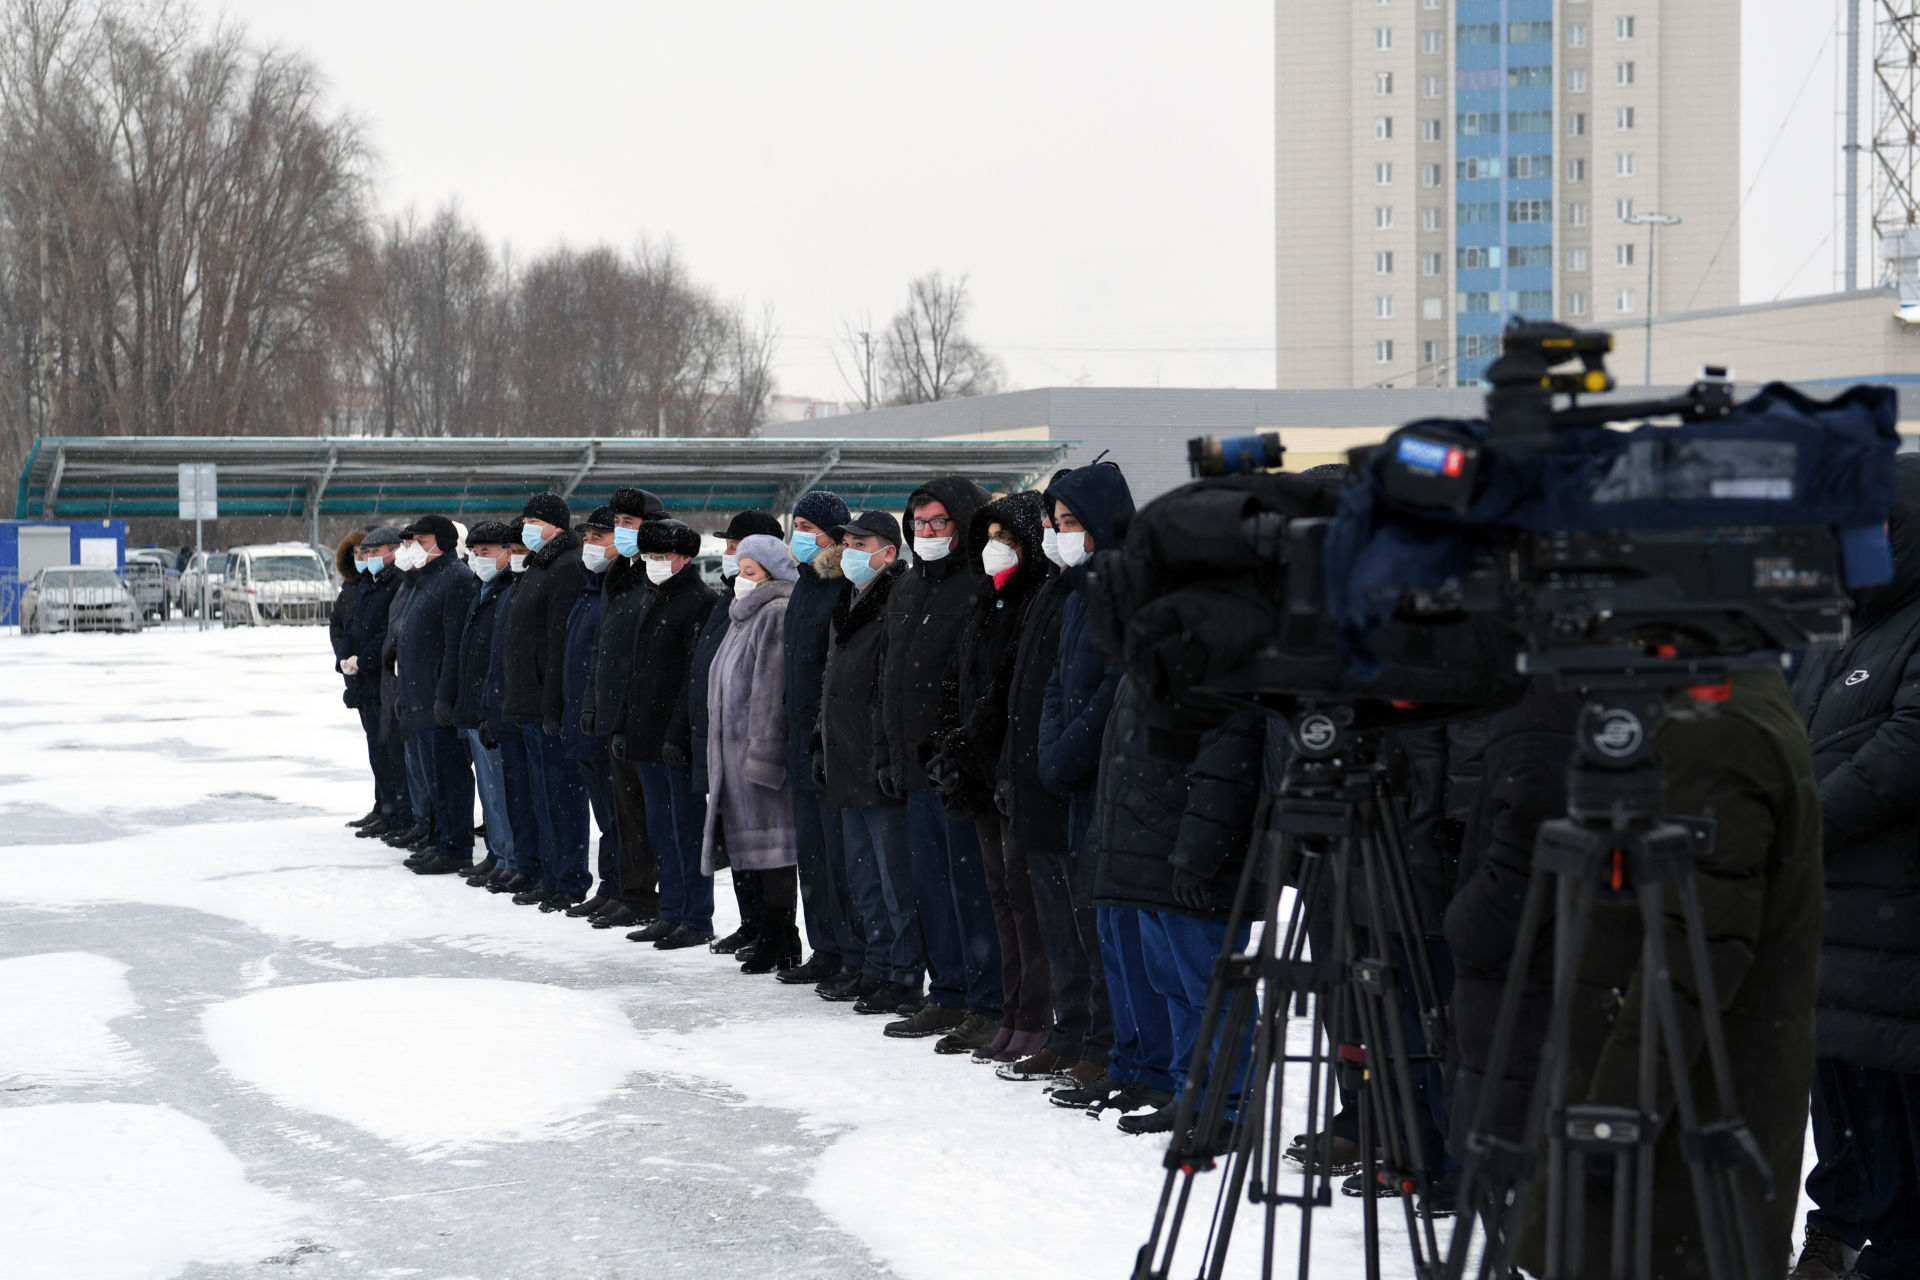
(1452, 565)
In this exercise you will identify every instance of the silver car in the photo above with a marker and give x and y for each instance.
(76, 598)
(204, 568)
(276, 584)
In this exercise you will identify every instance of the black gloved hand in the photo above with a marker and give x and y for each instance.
(586, 721)
(819, 771)
(443, 713)
(942, 772)
(1003, 797)
(889, 787)
(348, 696)
(552, 726)
(487, 739)
(1191, 891)
(674, 754)
(617, 747)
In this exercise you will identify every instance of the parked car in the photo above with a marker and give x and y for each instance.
(155, 582)
(275, 584)
(77, 598)
(207, 566)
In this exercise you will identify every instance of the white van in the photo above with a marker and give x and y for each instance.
(275, 584)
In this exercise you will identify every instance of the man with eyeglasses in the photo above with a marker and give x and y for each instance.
(923, 625)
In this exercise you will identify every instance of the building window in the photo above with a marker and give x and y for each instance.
(1383, 217)
(1474, 304)
(1530, 121)
(1383, 38)
(1577, 169)
(1383, 173)
(1430, 264)
(1433, 42)
(1623, 164)
(1623, 255)
(1383, 127)
(1538, 302)
(1475, 257)
(1576, 124)
(1530, 211)
(1623, 73)
(1576, 304)
(1383, 83)
(1576, 259)
(1530, 255)
(1477, 33)
(1430, 175)
(1624, 301)
(1383, 263)
(1383, 307)
(1530, 166)
(1383, 351)
(1430, 131)
(1430, 86)
(1623, 209)
(1529, 33)
(1432, 4)
(1430, 351)
(1475, 213)
(1576, 215)
(1623, 119)
(1577, 36)
(1471, 124)
(1529, 77)
(1474, 168)
(1431, 219)
(1623, 28)
(1430, 309)
(1577, 80)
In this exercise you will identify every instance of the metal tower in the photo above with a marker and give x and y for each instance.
(1896, 143)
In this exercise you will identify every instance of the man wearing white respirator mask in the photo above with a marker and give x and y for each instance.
(587, 751)
(924, 617)
(429, 681)
(486, 555)
(366, 636)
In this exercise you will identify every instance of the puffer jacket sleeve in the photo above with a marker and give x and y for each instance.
(1223, 789)
(1879, 785)
(767, 700)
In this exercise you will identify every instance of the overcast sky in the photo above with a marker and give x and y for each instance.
(1101, 169)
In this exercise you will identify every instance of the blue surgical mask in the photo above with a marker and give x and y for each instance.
(531, 536)
(805, 548)
(365, 566)
(626, 541)
(860, 569)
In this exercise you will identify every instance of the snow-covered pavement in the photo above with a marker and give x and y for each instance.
(236, 1041)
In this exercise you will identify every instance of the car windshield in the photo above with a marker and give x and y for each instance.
(81, 578)
(287, 569)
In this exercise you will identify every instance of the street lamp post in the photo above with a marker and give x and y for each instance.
(1652, 222)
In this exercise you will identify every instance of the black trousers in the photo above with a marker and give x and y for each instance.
(639, 880)
(606, 860)
(389, 769)
(1063, 910)
(750, 897)
(833, 925)
(1866, 1131)
(450, 772)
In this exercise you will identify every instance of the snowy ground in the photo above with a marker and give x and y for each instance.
(236, 1041)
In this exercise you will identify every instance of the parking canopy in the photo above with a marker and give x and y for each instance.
(308, 477)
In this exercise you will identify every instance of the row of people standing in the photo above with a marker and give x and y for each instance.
(901, 735)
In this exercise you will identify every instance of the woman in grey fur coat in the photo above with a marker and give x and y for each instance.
(749, 801)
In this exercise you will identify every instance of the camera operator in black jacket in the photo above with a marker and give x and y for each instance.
(1862, 704)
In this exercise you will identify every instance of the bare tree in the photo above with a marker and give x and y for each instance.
(741, 404)
(926, 354)
(856, 354)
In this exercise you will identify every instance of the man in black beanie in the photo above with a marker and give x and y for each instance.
(662, 645)
(604, 705)
(536, 649)
(429, 681)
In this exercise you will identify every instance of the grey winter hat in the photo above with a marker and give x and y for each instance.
(383, 536)
(771, 554)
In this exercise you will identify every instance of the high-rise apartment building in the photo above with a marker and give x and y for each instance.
(1444, 165)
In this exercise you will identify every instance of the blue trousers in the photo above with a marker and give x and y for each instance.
(675, 818)
(1179, 951)
(1142, 1031)
(419, 779)
(389, 772)
(606, 862)
(523, 809)
(443, 753)
(956, 914)
(824, 893)
(560, 808)
(490, 781)
(880, 882)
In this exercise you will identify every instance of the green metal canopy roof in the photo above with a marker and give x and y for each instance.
(77, 477)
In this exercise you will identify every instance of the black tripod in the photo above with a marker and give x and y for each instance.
(1614, 845)
(1333, 820)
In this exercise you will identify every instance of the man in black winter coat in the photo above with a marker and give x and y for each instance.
(1082, 1036)
(536, 647)
(924, 617)
(624, 603)
(488, 558)
(1862, 705)
(587, 751)
(366, 637)
(347, 561)
(686, 742)
(663, 646)
(850, 759)
(834, 927)
(428, 672)
(1172, 834)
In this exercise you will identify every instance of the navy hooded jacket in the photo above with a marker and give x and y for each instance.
(1080, 691)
